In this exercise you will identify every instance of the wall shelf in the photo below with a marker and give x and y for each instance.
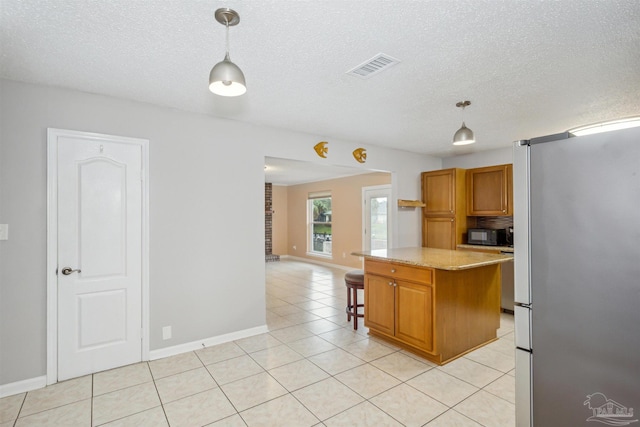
(410, 203)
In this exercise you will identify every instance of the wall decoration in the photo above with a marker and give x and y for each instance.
(360, 154)
(322, 149)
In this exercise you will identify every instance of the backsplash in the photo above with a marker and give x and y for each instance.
(494, 222)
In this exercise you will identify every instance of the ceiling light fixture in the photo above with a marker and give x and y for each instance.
(226, 78)
(606, 126)
(464, 135)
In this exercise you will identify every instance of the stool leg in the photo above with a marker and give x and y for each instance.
(355, 309)
(348, 304)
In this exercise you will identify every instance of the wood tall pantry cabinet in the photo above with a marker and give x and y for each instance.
(444, 220)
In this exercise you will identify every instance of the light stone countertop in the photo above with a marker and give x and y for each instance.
(442, 259)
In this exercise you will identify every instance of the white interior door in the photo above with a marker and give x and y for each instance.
(99, 254)
(377, 217)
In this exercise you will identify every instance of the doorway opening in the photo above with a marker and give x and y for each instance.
(377, 217)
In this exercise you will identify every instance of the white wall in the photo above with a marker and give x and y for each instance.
(499, 156)
(206, 212)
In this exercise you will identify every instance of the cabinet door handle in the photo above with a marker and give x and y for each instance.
(395, 284)
(390, 283)
(393, 270)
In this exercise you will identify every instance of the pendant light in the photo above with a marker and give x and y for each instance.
(464, 135)
(226, 78)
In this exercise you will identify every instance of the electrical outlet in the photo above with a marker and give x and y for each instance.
(294, 247)
(166, 332)
(4, 231)
(344, 255)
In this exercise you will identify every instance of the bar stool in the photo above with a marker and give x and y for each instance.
(354, 280)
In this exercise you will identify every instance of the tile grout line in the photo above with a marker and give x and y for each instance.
(93, 379)
(164, 411)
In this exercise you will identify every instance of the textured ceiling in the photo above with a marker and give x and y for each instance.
(529, 68)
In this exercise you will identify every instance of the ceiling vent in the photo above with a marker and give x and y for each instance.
(373, 66)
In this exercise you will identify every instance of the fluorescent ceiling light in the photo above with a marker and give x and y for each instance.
(606, 126)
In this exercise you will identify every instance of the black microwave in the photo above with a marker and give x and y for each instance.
(486, 236)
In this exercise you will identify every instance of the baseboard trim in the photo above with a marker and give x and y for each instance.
(207, 342)
(314, 261)
(23, 386)
(39, 382)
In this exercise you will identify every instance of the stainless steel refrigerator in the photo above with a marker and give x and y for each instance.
(577, 279)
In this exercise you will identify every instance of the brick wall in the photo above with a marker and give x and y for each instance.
(268, 223)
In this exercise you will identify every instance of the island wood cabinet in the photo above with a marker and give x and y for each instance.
(435, 313)
(399, 302)
(490, 191)
(444, 214)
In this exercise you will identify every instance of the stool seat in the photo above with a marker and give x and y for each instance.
(354, 280)
(355, 277)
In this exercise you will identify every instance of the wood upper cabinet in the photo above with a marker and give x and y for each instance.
(399, 302)
(443, 191)
(490, 191)
(444, 215)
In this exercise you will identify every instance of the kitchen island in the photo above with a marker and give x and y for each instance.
(438, 303)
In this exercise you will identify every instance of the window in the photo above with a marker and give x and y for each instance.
(319, 214)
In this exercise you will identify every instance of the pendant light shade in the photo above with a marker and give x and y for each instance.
(226, 78)
(464, 135)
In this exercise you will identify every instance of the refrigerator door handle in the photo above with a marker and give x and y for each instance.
(521, 244)
(524, 393)
(522, 319)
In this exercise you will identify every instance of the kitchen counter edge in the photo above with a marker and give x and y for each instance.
(441, 259)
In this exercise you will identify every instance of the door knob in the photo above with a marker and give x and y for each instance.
(68, 270)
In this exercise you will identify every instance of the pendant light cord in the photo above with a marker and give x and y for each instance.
(227, 42)
(463, 105)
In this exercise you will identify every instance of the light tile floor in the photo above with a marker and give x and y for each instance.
(311, 369)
